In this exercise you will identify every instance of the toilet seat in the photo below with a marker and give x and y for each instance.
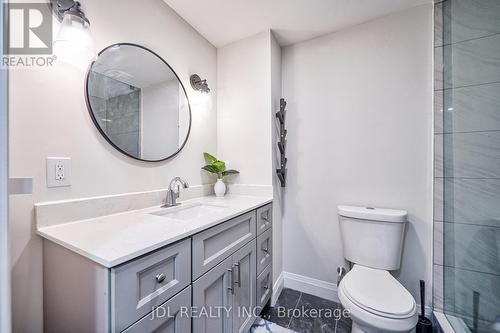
(378, 292)
(377, 302)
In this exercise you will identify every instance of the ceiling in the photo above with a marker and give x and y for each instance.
(120, 63)
(224, 21)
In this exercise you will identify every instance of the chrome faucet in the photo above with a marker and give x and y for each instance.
(173, 192)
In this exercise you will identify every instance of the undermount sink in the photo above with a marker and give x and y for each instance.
(189, 212)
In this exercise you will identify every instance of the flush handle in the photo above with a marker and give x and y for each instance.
(341, 272)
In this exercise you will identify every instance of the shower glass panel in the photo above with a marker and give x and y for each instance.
(467, 164)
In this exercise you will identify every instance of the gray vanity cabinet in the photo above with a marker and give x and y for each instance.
(214, 281)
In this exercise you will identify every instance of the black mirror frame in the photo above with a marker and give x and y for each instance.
(94, 120)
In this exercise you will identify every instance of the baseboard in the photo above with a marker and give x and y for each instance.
(277, 288)
(308, 285)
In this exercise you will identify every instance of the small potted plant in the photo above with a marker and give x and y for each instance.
(218, 167)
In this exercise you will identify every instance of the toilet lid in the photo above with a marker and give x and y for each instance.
(378, 292)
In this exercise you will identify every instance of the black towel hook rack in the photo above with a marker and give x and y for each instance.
(281, 115)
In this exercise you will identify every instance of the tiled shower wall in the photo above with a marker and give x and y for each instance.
(467, 162)
(116, 106)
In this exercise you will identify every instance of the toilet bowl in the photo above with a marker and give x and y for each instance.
(377, 302)
(372, 240)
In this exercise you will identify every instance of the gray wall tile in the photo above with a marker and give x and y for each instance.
(472, 62)
(468, 109)
(459, 288)
(470, 155)
(128, 142)
(125, 124)
(438, 68)
(438, 155)
(438, 24)
(472, 201)
(438, 111)
(438, 243)
(437, 288)
(471, 247)
(467, 19)
(438, 199)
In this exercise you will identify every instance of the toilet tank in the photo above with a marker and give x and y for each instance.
(372, 237)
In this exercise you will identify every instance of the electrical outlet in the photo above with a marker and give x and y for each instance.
(58, 171)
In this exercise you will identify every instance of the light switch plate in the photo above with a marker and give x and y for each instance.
(58, 171)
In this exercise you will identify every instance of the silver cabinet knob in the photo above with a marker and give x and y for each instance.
(160, 278)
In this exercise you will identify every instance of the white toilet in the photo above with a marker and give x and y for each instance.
(372, 240)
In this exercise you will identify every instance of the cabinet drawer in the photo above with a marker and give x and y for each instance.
(264, 218)
(212, 246)
(264, 286)
(264, 250)
(171, 317)
(147, 282)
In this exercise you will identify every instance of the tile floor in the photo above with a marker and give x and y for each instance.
(298, 303)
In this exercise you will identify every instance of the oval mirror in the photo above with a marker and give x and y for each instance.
(138, 103)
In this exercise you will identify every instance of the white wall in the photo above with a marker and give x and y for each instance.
(359, 133)
(249, 89)
(160, 111)
(243, 108)
(48, 117)
(277, 189)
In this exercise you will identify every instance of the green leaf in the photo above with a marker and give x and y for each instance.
(210, 168)
(210, 158)
(229, 172)
(219, 165)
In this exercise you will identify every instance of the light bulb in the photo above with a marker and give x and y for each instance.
(74, 44)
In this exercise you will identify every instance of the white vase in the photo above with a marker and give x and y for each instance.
(220, 188)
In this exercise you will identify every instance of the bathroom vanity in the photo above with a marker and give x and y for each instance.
(203, 266)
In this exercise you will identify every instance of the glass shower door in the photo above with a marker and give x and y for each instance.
(467, 164)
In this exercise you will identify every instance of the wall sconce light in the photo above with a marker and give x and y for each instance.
(74, 43)
(198, 84)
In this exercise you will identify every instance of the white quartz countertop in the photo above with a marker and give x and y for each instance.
(114, 239)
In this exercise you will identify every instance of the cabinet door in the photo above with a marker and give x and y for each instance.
(170, 317)
(244, 266)
(213, 299)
